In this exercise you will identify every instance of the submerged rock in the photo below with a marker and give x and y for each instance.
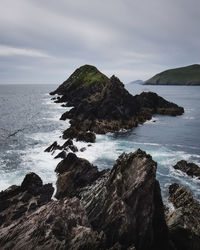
(190, 169)
(184, 220)
(17, 201)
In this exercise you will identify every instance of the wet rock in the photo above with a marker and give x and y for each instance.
(17, 201)
(74, 173)
(190, 169)
(56, 225)
(83, 149)
(54, 146)
(68, 143)
(62, 155)
(184, 220)
(73, 148)
(86, 136)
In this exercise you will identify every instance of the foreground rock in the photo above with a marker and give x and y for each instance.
(74, 173)
(184, 221)
(190, 169)
(102, 105)
(56, 225)
(125, 203)
(17, 201)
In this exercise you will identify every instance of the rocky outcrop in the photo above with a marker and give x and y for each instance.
(68, 145)
(73, 174)
(18, 201)
(56, 225)
(184, 221)
(125, 202)
(85, 81)
(155, 104)
(190, 169)
(102, 105)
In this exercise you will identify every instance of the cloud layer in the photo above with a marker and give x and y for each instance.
(44, 41)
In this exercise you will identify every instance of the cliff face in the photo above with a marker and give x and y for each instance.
(189, 75)
(103, 105)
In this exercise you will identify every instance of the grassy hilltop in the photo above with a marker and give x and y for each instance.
(189, 75)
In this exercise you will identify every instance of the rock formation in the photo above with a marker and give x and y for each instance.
(190, 169)
(125, 202)
(102, 105)
(56, 225)
(119, 208)
(18, 201)
(184, 221)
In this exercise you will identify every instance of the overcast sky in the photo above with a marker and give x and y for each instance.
(44, 41)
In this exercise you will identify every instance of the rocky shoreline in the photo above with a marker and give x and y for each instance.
(117, 208)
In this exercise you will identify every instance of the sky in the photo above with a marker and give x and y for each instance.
(44, 41)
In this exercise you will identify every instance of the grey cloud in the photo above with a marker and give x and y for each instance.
(44, 41)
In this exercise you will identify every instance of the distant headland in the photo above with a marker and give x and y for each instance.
(189, 75)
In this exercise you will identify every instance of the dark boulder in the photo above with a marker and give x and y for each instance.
(74, 173)
(17, 201)
(190, 169)
(83, 149)
(184, 220)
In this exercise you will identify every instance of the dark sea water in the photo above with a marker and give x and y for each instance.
(29, 122)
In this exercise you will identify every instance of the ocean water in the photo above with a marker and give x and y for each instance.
(29, 122)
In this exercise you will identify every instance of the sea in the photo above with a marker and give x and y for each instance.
(29, 123)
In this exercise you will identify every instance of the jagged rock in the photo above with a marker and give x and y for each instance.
(68, 143)
(74, 173)
(184, 221)
(190, 169)
(56, 225)
(73, 148)
(54, 146)
(125, 203)
(62, 155)
(79, 135)
(18, 201)
(103, 105)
